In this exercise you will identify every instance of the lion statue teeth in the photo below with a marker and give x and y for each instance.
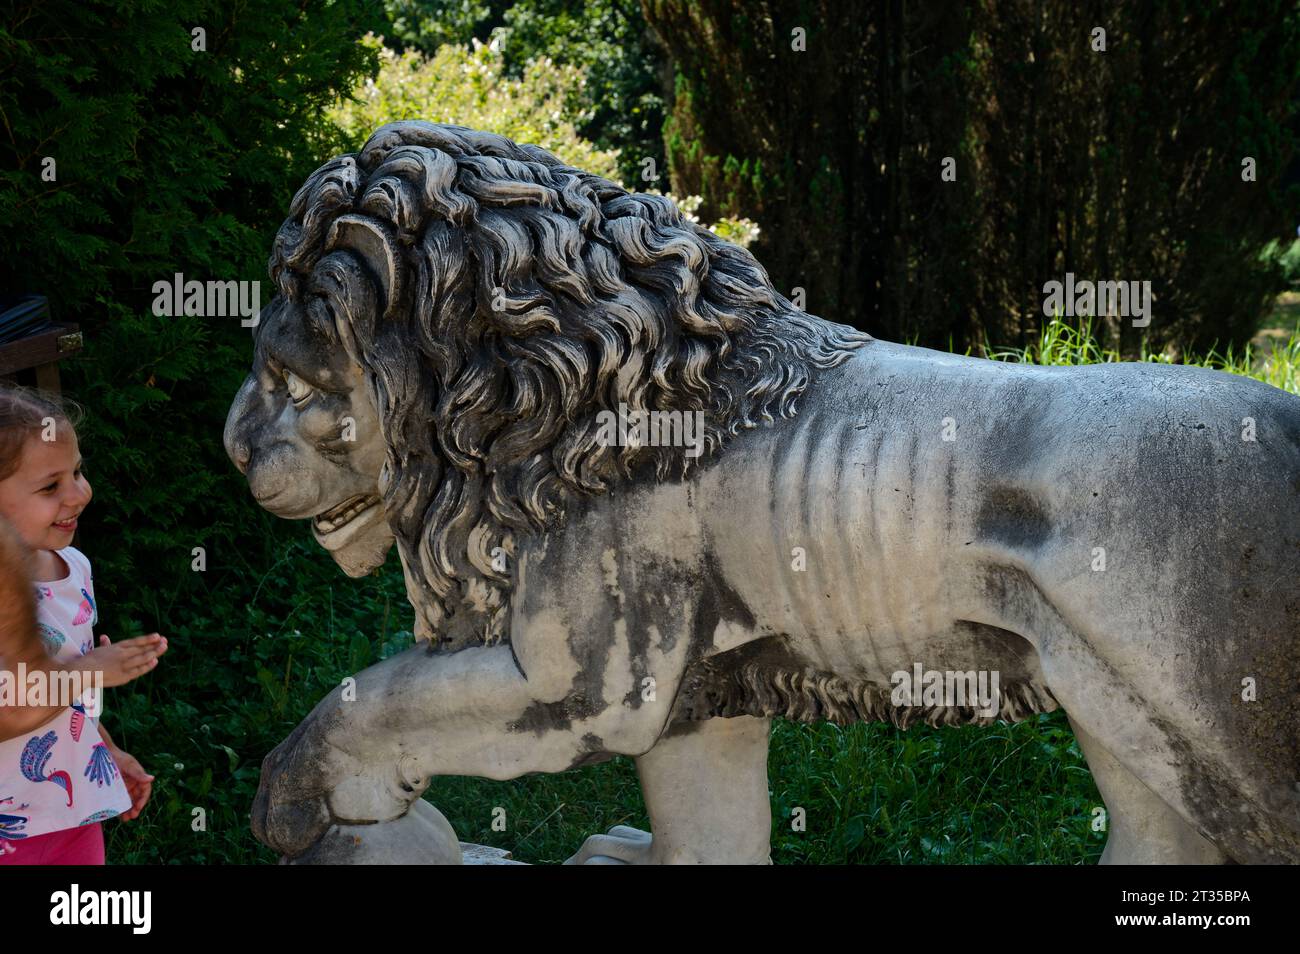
(865, 530)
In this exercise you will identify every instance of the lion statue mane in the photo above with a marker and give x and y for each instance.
(521, 297)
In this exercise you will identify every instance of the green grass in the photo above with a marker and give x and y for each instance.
(871, 794)
(1062, 344)
(270, 642)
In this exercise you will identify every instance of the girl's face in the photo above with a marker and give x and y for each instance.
(47, 492)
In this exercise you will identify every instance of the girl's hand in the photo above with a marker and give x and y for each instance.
(124, 661)
(139, 783)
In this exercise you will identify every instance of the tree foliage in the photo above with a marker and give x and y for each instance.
(620, 106)
(167, 159)
(1122, 164)
(469, 85)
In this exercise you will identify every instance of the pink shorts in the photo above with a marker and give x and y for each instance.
(83, 845)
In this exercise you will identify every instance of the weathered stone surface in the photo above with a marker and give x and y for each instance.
(420, 837)
(458, 317)
(485, 855)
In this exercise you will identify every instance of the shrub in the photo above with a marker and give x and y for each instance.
(471, 86)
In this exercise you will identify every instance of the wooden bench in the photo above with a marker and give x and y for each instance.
(37, 356)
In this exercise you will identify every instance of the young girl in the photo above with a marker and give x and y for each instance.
(61, 774)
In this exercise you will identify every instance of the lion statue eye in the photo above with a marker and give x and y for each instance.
(299, 390)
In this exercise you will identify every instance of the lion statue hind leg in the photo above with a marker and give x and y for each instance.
(1141, 828)
(705, 788)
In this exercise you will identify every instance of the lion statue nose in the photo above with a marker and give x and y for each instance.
(236, 444)
(239, 454)
(237, 450)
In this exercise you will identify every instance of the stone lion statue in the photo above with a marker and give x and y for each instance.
(643, 504)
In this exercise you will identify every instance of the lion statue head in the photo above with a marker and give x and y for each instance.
(453, 313)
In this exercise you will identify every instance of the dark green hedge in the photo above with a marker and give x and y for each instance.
(1122, 164)
(167, 159)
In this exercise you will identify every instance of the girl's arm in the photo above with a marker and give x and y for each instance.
(19, 642)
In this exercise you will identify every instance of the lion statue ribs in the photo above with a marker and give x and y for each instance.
(454, 312)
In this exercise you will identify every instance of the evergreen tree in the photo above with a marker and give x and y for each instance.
(141, 139)
(830, 125)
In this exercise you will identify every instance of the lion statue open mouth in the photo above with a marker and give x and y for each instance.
(849, 525)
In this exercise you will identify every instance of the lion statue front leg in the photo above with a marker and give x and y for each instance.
(704, 783)
(418, 714)
(565, 691)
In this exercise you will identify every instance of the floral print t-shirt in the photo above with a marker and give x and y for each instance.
(60, 775)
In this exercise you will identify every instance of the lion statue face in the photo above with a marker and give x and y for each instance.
(303, 429)
(454, 314)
